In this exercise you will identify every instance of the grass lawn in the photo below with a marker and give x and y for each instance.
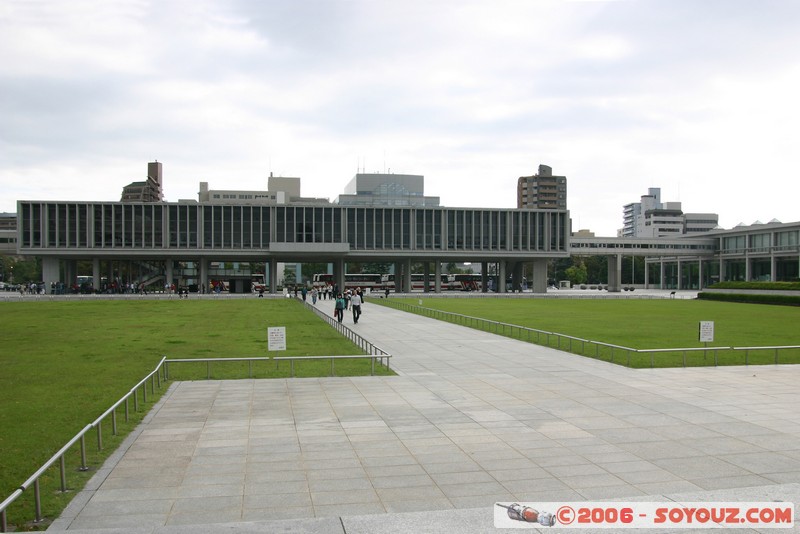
(65, 362)
(642, 324)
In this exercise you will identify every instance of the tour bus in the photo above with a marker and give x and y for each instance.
(467, 282)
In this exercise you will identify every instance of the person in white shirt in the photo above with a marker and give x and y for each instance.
(355, 302)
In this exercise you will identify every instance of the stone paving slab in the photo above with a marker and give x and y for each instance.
(471, 419)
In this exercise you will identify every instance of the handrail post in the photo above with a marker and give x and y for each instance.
(114, 422)
(208, 370)
(126, 408)
(100, 435)
(144, 393)
(83, 467)
(372, 372)
(62, 468)
(746, 351)
(776, 356)
(684, 358)
(135, 400)
(37, 497)
(332, 372)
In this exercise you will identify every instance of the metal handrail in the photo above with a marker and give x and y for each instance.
(360, 342)
(776, 348)
(80, 436)
(470, 320)
(250, 359)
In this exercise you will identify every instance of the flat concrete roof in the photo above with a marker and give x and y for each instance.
(472, 419)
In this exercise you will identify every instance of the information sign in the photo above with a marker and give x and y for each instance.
(276, 338)
(706, 331)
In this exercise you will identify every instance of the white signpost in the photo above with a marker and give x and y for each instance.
(276, 338)
(706, 331)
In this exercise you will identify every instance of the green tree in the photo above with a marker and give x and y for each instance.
(376, 268)
(310, 269)
(576, 274)
(596, 269)
(289, 277)
(25, 270)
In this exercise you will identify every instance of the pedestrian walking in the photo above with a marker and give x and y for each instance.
(355, 303)
(338, 309)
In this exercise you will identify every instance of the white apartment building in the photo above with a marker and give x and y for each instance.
(650, 217)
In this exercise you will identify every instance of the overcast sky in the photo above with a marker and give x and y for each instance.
(700, 98)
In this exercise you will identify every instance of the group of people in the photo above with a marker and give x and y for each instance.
(349, 300)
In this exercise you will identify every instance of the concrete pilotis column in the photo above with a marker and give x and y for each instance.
(773, 266)
(700, 273)
(680, 276)
(169, 272)
(407, 276)
(437, 285)
(338, 274)
(539, 282)
(95, 274)
(516, 276)
(615, 273)
(50, 271)
(501, 276)
(661, 276)
(646, 275)
(484, 277)
(272, 267)
(203, 282)
(426, 277)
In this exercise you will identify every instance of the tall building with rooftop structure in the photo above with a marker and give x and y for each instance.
(379, 189)
(149, 190)
(650, 217)
(542, 190)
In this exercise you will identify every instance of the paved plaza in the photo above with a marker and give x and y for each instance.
(471, 419)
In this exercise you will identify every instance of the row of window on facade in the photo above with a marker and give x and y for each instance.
(761, 242)
(189, 226)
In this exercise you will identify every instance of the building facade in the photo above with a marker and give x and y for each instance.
(376, 189)
(542, 190)
(652, 218)
(149, 190)
(155, 236)
(280, 190)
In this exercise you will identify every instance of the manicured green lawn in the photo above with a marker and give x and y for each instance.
(642, 324)
(64, 363)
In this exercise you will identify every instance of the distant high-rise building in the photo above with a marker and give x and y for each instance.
(542, 190)
(149, 190)
(652, 218)
(280, 190)
(376, 189)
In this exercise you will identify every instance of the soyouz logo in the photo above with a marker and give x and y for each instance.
(618, 515)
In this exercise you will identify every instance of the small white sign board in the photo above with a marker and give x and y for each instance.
(276, 338)
(706, 331)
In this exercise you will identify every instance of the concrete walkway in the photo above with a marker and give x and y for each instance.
(471, 419)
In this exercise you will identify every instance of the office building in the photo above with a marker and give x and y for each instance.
(542, 190)
(650, 217)
(376, 189)
(149, 190)
(280, 190)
